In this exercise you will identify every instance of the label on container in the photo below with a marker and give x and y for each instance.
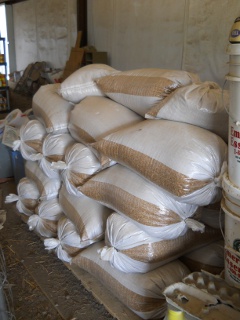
(232, 264)
(235, 32)
(234, 153)
(235, 141)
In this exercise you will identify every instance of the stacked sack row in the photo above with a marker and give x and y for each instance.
(122, 171)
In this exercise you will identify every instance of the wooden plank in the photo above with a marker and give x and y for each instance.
(75, 61)
(78, 40)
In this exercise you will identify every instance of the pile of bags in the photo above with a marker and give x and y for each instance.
(123, 177)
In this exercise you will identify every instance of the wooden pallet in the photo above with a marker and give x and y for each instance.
(102, 294)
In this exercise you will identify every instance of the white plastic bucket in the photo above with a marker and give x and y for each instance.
(234, 114)
(234, 131)
(233, 50)
(232, 206)
(234, 69)
(232, 243)
(234, 59)
(231, 191)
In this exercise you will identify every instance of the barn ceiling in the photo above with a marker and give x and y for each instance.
(10, 1)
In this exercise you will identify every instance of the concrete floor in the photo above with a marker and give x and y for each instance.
(42, 286)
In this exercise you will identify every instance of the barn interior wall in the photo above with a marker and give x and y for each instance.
(173, 34)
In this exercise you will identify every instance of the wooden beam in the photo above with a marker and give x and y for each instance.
(10, 1)
(82, 20)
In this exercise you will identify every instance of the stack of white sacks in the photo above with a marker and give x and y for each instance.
(121, 171)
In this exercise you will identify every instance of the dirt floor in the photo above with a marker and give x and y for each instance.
(41, 286)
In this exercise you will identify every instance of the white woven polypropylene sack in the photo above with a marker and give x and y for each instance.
(141, 293)
(31, 139)
(130, 249)
(45, 220)
(68, 242)
(202, 104)
(150, 207)
(51, 109)
(185, 160)
(212, 215)
(88, 215)
(80, 83)
(54, 149)
(48, 187)
(209, 258)
(79, 165)
(27, 197)
(95, 117)
(141, 89)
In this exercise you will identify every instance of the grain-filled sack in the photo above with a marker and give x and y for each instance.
(68, 242)
(141, 293)
(32, 135)
(202, 104)
(79, 164)
(27, 197)
(54, 149)
(141, 89)
(150, 207)
(95, 117)
(130, 249)
(45, 219)
(209, 258)
(80, 83)
(48, 187)
(51, 109)
(88, 215)
(185, 160)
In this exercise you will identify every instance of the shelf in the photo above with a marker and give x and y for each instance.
(4, 90)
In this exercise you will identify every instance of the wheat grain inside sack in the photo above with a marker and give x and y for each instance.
(183, 159)
(68, 243)
(96, 117)
(32, 135)
(27, 197)
(81, 83)
(51, 109)
(79, 164)
(129, 249)
(48, 187)
(150, 207)
(45, 219)
(54, 149)
(142, 293)
(88, 216)
(141, 89)
(203, 104)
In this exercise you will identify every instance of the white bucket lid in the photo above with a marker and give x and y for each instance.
(230, 208)
(229, 187)
(231, 78)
